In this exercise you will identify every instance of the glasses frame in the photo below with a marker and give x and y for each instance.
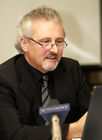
(42, 44)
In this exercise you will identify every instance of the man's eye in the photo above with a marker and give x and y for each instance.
(59, 41)
(45, 42)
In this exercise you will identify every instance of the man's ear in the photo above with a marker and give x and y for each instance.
(24, 44)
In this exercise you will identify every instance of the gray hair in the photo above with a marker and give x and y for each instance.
(24, 27)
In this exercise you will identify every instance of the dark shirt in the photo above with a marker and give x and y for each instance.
(37, 79)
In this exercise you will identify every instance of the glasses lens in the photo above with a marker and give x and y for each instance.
(59, 45)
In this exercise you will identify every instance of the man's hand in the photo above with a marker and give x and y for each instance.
(76, 129)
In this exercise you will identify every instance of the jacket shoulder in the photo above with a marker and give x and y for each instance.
(8, 71)
(69, 62)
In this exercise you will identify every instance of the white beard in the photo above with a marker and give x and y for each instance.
(50, 66)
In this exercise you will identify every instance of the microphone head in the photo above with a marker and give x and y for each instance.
(54, 108)
(53, 102)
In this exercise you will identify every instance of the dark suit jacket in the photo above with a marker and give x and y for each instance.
(19, 103)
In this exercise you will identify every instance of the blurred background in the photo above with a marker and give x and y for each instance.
(82, 23)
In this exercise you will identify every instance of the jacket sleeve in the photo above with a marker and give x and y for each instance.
(82, 91)
(80, 95)
(11, 127)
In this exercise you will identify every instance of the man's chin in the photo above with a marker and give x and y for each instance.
(50, 67)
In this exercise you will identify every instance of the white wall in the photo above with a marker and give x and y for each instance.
(81, 20)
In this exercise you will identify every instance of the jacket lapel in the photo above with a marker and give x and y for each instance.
(26, 84)
(29, 90)
(61, 84)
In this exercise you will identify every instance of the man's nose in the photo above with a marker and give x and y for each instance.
(54, 48)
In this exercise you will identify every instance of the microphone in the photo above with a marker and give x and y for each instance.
(56, 128)
(55, 114)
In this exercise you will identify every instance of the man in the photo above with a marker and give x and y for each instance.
(40, 41)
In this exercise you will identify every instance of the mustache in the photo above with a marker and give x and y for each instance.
(52, 54)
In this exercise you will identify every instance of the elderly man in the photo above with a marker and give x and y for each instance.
(40, 42)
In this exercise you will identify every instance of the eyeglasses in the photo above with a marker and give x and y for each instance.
(47, 44)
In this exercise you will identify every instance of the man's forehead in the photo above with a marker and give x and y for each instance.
(50, 27)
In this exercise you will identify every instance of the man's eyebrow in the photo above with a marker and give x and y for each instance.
(60, 39)
(46, 38)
